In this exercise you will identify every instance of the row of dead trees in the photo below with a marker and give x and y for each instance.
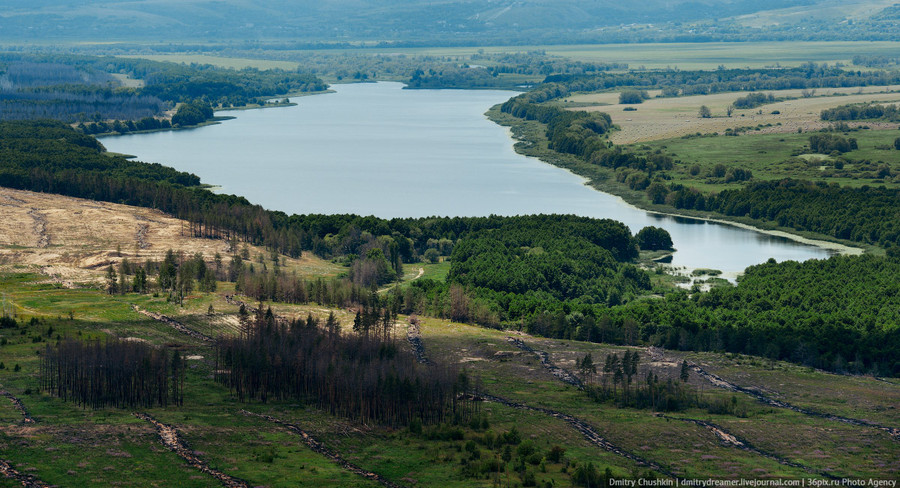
(113, 373)
(365, 377)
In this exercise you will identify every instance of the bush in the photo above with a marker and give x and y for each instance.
(632, 97)
(654, 238)
(753, 100)
(432, 255)
(828, 143)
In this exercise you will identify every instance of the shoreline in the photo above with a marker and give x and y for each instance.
(837, 247)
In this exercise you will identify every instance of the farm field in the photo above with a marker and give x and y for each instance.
(665, 118)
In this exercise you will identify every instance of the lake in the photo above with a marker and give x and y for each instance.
(376, 149)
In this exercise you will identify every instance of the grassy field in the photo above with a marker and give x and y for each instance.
(651, 56)
(685, 55)
(74, 446)
(666, 118)
(221, 61)
(773, 156)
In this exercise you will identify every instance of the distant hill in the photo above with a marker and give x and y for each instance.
(431, 22)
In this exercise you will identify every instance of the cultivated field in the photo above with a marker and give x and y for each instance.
(665, 118)
(220, 61)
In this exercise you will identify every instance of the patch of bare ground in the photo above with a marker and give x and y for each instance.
(73, 240)
(665, 118)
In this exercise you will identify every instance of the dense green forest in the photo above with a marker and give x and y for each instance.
(559, 276)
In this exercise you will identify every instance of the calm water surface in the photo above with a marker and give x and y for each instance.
(375, 149)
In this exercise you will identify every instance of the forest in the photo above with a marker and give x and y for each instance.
(112, 373)
(521, 271)
(79, 88)
(364, 377)
(525, 271)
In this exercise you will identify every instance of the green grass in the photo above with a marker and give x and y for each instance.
(437, 271)
(221, 61)
(73, 446)
(707, 55)
(770, 157)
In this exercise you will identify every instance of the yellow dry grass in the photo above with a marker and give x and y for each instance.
(665, 118)
(73, 240)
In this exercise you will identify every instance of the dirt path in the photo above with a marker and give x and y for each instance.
(414, 336)
(732, 440)
(169, 437)
(174, 324)
(26, 417)
(562, 374)
(391, 285)
(27, 480)
(319, 448)
(586, 429)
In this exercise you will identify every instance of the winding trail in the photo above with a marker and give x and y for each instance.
(26, 417)
(27, 480)
(586, 429)
(169, 437)
(174, 324)
(319, 448)
(732, 440)
(562, 374)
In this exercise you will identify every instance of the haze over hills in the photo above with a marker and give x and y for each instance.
(445, 22)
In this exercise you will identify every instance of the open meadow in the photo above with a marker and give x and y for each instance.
(671, 117)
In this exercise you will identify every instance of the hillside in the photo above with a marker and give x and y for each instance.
(445, 22)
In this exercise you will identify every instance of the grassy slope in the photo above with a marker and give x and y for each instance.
(93, 448)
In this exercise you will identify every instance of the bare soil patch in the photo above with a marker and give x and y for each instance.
(73, 240)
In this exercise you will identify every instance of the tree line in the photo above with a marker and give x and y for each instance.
(676, 82)
(81, 89)
(112, 373)
(364, 377)
(862, 111)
